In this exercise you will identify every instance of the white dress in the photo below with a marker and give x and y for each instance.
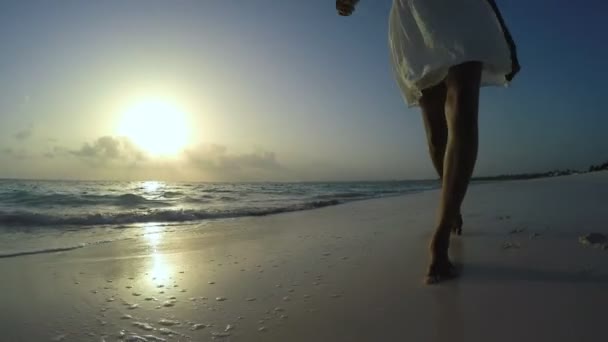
(427, 37)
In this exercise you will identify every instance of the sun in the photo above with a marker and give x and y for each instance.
(157, 126)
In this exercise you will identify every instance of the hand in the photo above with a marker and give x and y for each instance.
(346, 7)
(515, 67)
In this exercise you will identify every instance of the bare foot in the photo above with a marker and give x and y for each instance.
(457, 227)
(440, 268)
(439, 271)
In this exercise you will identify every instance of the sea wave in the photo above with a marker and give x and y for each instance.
(27, 218)
(171, 194)
(350, 195)
(26, 198)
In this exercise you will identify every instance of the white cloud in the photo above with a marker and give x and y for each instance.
(216, 161)
(24, 134)
(19, 154)
(109, 149)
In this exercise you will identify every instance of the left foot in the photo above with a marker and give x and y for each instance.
(440, 271)
(440, 268)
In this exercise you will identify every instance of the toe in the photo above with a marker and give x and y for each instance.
(440, 272)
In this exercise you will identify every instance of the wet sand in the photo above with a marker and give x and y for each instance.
(346, 273)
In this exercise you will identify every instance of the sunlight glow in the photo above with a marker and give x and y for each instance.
(160, 270)
(153, 234)
(150, 187)
(156, 125)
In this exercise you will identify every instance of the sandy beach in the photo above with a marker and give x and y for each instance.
(351, 272)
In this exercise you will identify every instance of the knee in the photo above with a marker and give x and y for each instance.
(463, 130)
(462, 103)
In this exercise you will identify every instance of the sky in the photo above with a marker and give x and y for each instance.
(274, 91)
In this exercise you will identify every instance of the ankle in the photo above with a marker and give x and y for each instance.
(440, 243)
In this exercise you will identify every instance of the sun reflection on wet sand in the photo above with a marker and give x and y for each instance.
(160, 270)
(153, 233)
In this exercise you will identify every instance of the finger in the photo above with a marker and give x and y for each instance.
(344, 7)
(345, 10)
(344, 4)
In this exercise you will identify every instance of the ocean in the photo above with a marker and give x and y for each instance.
(48, 216)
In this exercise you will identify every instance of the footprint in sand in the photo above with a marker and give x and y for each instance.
(165, 331)
(144, 326)
(594, 239)
(517, 230)
(219, 334)
(198, 326)
(511, 245)
(168, 322)
(169, 303)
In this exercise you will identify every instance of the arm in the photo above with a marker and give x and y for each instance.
(346, 7)
(509, 39)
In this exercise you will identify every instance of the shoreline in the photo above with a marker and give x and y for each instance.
(131, 229)
(350, 272)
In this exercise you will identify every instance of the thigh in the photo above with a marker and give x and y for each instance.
(462, 102)
(464, 77)
(432, 105)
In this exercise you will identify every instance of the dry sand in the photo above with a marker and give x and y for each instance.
(346, 273)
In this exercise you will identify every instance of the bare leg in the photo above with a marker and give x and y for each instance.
(462, 103)
(432, 104)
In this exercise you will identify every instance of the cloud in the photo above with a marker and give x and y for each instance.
(216, 159)
(25, 133)
(55, 151)
(107, 149)
(17, 154)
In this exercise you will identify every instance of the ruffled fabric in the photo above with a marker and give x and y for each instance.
(427, 37)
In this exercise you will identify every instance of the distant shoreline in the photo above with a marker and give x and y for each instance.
(503, 177)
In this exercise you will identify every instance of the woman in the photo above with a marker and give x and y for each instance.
(443, 51)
